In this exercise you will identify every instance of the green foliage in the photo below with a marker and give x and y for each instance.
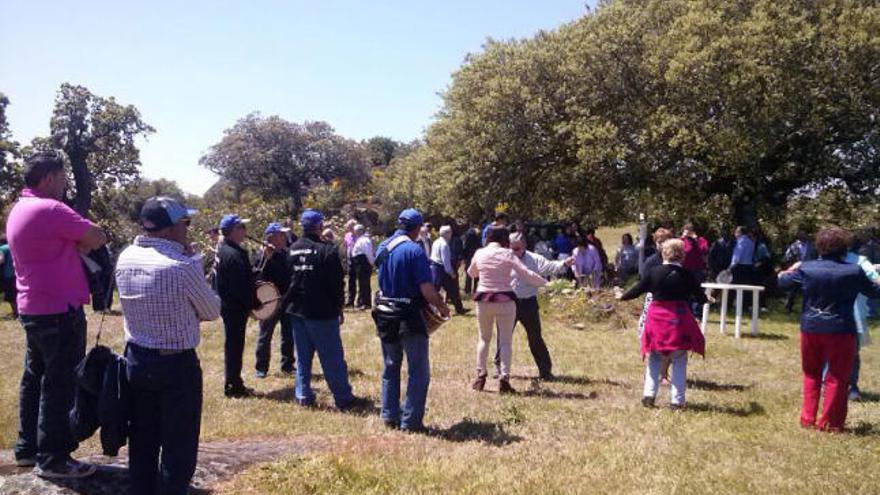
(282, 159)
(671, 104)
(98, 134)
(10, 173)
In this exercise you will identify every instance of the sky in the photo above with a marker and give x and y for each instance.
(192, 68)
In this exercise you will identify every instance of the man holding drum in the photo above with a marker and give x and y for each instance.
(405, 288)
(236, 286)
(314, 306)
(274, 269)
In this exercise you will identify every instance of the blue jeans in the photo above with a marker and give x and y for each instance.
(419, 369)
(677, 391)
(857, 365)
(55, 344)
(321, 336)
(166, 405)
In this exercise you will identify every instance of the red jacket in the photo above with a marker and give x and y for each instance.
(695, 251)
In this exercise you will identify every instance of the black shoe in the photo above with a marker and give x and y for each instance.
(547, 377)
(479, 382)
(356, 404)
(462, 311)
(676, 407)
(648, 401)
(287, 372)
(238, 392)
(504, 387)
(391, 425)
(414, 429)
(68, 469)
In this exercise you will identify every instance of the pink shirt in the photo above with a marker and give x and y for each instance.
(43, 233)
(348, 241)
(495, 265)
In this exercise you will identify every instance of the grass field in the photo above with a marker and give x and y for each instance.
(586, 433)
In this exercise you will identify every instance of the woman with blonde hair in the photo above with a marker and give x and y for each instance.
(670, 327)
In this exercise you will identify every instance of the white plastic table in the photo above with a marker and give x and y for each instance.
(725, 288)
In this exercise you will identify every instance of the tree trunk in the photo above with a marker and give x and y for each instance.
(82, 178)
(296, 202)
(745, 211)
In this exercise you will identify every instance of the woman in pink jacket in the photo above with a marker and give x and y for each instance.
(494, 265)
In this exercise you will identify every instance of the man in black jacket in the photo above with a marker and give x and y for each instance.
(236, 287)
(314, 305)
(471, 243)
(275, 270)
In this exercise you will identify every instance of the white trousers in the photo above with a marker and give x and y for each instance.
(490, 315)
(679, 360)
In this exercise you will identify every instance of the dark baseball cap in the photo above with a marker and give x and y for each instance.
(160, 212)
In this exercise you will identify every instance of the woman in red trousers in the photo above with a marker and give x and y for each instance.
(828, 329)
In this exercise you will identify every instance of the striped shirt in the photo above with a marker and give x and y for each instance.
(163, 295)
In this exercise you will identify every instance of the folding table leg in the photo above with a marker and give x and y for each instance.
(755, 311)
(739, 310)
(724, 293)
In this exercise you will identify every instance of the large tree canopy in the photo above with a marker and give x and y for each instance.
(98, 134)
(283, 159)
(672, 104)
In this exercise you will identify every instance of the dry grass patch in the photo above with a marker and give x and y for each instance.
(585, 433)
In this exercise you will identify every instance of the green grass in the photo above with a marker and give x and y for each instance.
(584, 434)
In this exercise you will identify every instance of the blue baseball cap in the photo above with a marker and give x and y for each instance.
(231, 220)
(410, 218)
(274, 228)
(311, 219)
(160, 212)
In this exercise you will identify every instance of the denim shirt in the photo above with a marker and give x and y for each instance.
(830, 287)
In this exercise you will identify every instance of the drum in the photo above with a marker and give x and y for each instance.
(433, 320)
(270, 298)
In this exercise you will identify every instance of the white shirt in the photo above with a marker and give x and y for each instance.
(540, 265)
(363, 246)
(163, 294)
(442, 255)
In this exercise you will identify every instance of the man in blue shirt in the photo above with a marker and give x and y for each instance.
(742, 263)
(405, 288)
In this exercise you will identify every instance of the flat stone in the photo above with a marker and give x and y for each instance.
(218, 461)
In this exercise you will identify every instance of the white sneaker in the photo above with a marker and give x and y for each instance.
(70, 469)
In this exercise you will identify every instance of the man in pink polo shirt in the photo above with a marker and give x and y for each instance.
(46, 237)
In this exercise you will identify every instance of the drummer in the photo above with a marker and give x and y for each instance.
(405, 276)
(274, 260)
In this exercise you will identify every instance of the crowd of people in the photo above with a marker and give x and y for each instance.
(165, 294)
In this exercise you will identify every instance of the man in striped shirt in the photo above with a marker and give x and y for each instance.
(164, 297)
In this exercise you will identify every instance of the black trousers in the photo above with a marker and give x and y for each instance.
(470, 284)
(264, 343)
(234, 325)
(166, 415)
(529, 315)
(9, 294)
(447, 283)
(352, 282)
(55, 344)
(363, 271)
